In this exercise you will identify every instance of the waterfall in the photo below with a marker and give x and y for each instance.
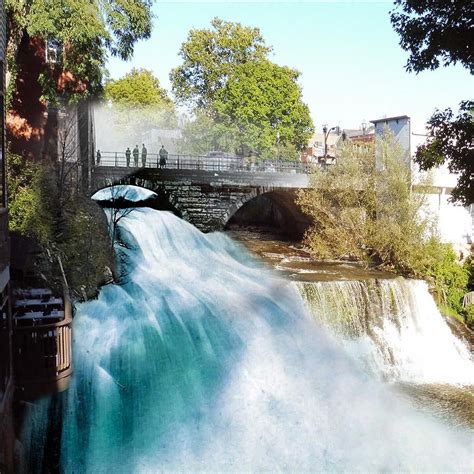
(393, 328)
(201, 359)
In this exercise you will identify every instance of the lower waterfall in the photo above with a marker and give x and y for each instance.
(201, 359)
(393, 328)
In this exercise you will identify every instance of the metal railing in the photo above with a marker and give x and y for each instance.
(202, 163)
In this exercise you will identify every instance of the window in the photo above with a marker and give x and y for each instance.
(53, 51)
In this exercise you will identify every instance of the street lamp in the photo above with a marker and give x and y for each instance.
(326, 133)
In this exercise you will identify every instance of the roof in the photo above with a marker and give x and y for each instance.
(358, 132)
(333, 138)
(387, 119)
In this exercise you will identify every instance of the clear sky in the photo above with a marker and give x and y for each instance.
(351, 63)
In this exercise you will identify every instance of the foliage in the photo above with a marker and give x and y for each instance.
(209, 58)
(450, 139)
(73, 228)
(262, 103)
(439, 264)
(84, 30)
(85, 250)
(138, 103)
(251, 103)
(469, 267)
(434, 32)
(138, 88)
(470, 316)
(203, 134)
(23, 180)
(363, 208)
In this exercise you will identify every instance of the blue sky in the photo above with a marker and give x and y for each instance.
(352, 66)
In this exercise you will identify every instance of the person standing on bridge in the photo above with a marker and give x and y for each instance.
(144, 153)
(128, 154)
(163, 156)
(98, 157)
(136, 152)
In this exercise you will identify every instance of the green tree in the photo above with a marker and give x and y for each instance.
(450, 139)
(138, 88)
(366, 211)
(209, 57)
(139, 103)
(85, 32)
(254, 104)
(203, 134)
(435, 33)
(262, 103)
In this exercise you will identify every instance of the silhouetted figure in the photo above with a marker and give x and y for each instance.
(163, 156)
(136, 152)
(128, 154)
(144, 153)
(98, 157)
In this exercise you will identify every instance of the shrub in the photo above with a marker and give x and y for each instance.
(363, 208)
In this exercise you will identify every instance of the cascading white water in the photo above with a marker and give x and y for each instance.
(393, 328)
(202, 360)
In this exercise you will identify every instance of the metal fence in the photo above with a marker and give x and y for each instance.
(203, 163)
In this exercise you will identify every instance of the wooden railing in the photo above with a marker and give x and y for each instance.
(42, 355)
(203, 163)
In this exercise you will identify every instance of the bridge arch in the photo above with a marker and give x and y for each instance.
(209, 199)
(135, 196)
(274, 209)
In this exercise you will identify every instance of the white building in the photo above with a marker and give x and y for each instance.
(455, 223)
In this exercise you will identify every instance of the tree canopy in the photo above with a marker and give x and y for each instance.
(209, 57)
(435, 32)
(250, 103)
(138, 104)
(262, 103)
(86, 31)
(450, 139)
(138, 88)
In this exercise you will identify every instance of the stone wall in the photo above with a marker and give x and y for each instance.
(206, 199)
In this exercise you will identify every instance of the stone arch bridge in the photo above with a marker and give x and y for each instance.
(210, 192)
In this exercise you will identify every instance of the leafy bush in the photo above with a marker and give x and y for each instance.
(65, 224)
(440, 265)
(363, 208)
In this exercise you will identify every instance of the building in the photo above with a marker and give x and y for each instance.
(315, 150)
(455, 224)
(365, 134)
(400, 126)
(6, 365)
(38, 130)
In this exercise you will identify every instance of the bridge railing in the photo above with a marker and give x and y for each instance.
(203, 163)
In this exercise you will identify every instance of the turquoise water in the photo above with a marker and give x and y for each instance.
(202, 359)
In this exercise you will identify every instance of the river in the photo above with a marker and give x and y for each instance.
(204, 358)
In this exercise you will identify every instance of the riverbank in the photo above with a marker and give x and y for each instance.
(292, 261)
(452, 403)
